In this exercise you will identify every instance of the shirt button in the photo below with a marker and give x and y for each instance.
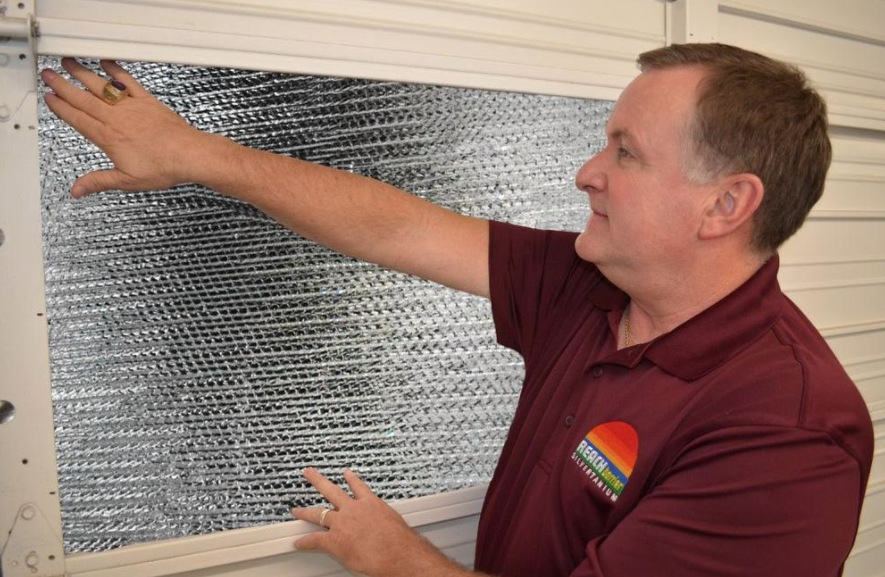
(569, 419)
(597, 371)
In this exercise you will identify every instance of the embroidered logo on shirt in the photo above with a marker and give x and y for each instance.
(607, 455)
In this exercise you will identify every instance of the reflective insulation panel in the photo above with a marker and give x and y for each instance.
(202, 355)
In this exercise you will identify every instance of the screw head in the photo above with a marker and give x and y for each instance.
(7, 411)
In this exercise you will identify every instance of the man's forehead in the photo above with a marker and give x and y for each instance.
(624, 128)
(627, 117)
(656, 101)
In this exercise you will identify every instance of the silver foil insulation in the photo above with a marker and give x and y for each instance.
(202, 355)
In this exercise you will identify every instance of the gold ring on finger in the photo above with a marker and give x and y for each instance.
(323, 518)
(114, 91)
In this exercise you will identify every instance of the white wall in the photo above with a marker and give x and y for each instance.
(834, 268)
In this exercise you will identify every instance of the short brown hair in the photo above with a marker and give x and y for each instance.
(757, 115)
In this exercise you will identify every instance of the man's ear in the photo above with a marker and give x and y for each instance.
(731, 205)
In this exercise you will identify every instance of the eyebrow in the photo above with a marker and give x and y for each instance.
(625, 134)
(621, 133)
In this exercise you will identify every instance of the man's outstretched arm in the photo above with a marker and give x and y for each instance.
(153, 148)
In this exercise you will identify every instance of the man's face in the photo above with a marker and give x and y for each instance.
(646, 213)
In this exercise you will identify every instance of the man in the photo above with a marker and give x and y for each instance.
(679, 415)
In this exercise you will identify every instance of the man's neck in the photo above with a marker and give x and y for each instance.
(669, 300)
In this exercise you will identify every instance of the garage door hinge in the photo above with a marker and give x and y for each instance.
(18, 56)
(16, 22)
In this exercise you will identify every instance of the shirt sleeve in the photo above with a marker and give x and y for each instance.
(743, 501)
(530, 272)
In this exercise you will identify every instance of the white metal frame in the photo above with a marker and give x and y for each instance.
(381, 44)
(30, 522)
(449, 520)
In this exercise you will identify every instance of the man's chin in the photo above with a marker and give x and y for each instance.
(584, 247)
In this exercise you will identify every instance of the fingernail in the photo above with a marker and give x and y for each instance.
(48, 74)
(77, 191)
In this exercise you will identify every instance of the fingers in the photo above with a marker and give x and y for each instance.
(332, 492)
(99, 181)
(82, 122)
(316, 515)
(77, 98)
(92, 81)
(117, 72)
(313, 542)
(357, 486)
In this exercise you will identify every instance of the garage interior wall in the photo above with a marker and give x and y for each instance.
(834, 268)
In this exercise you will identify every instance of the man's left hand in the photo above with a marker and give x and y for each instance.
(367, 535)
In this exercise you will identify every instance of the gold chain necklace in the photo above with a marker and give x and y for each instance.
(627, 327)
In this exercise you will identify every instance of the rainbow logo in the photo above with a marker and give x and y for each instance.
(607, 455)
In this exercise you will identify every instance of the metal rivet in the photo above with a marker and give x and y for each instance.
(32, 559)
(22, 56)
(28, 513)
(21, 5)
(7, 412)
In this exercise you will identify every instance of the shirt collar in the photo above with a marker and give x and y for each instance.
(708, 339)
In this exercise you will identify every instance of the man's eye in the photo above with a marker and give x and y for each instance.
(624, 153)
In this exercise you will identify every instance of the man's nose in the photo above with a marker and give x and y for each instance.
(591, 177)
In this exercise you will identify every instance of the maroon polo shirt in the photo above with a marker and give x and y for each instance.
(733, 445)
